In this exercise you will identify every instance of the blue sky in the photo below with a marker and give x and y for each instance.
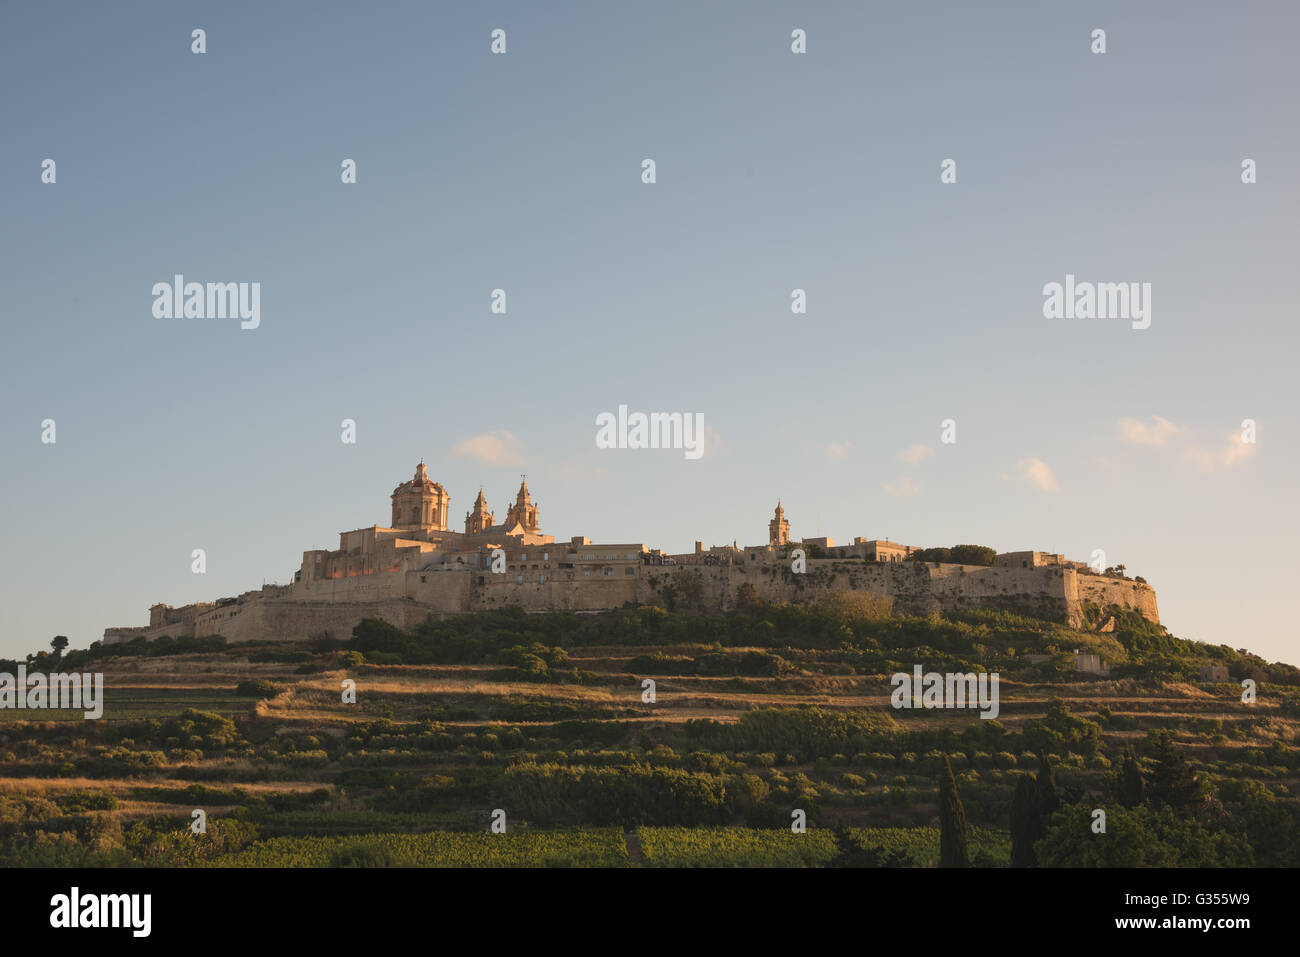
(523, 172)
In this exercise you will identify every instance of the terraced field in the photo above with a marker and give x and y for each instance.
(549, 732)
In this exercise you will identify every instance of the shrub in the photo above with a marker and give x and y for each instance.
(257, 688)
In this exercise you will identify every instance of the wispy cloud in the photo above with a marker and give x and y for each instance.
(495, 448)
(916, 453)
(903, 488)
(1159, 432)
(1229, 452)
(836, 451)
(1181, 441)
(1038, 474)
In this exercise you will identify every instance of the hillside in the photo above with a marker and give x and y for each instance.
(755, 714)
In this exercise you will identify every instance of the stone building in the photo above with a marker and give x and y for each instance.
(417, 566)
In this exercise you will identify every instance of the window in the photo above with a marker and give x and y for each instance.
(523, 556)
(519, 579)
(629, 570)
(587, 572)
(546, 556)
(541, 579)
(608, 572)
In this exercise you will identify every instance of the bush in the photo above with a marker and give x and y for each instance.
(257, 688)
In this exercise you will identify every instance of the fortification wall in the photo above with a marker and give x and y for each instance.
(406, 599)
(286, 620)
(555, 594)
(443, 591)
(1040, 591)
(379, 586)
(1103, 591)
(917, 588)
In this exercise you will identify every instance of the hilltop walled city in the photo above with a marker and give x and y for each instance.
(416, 567)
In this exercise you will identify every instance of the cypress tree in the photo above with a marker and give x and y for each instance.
(952, 822)
(1032, 807)
(1045, 786)
(1172, 781)
(1024, 818)
(1128, 783)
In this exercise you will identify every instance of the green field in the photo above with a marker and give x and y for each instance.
(735, 847)
(594, 847)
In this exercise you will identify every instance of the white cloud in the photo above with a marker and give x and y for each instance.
(836, 451)
(903, 488)
(1237, 450)
(1183, 441)
(1159, 432)
(1232, 452)
(1038, 474)
(915, 453)
(495, 448)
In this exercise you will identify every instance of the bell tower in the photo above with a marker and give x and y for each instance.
(778, 530)
(480, 519)
(523, 512)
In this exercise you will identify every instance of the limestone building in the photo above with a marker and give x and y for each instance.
(417, 566)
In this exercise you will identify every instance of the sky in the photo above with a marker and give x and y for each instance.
(523, 171)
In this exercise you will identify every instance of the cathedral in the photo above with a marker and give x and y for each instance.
(421, 505)
(418, 535)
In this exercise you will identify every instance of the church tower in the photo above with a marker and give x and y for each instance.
(523, 511)
(420, 504)
(778, 530)
(480, 519)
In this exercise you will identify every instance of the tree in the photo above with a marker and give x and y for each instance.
(1024, 816)
(1129, 786)
(1139, 837)
(1173, 783)
(952, 822)
(1032, 807)
(957, 555)
(1045, 788)
(58, 644)
(687, 589)
(854, 854)
(748, 601)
